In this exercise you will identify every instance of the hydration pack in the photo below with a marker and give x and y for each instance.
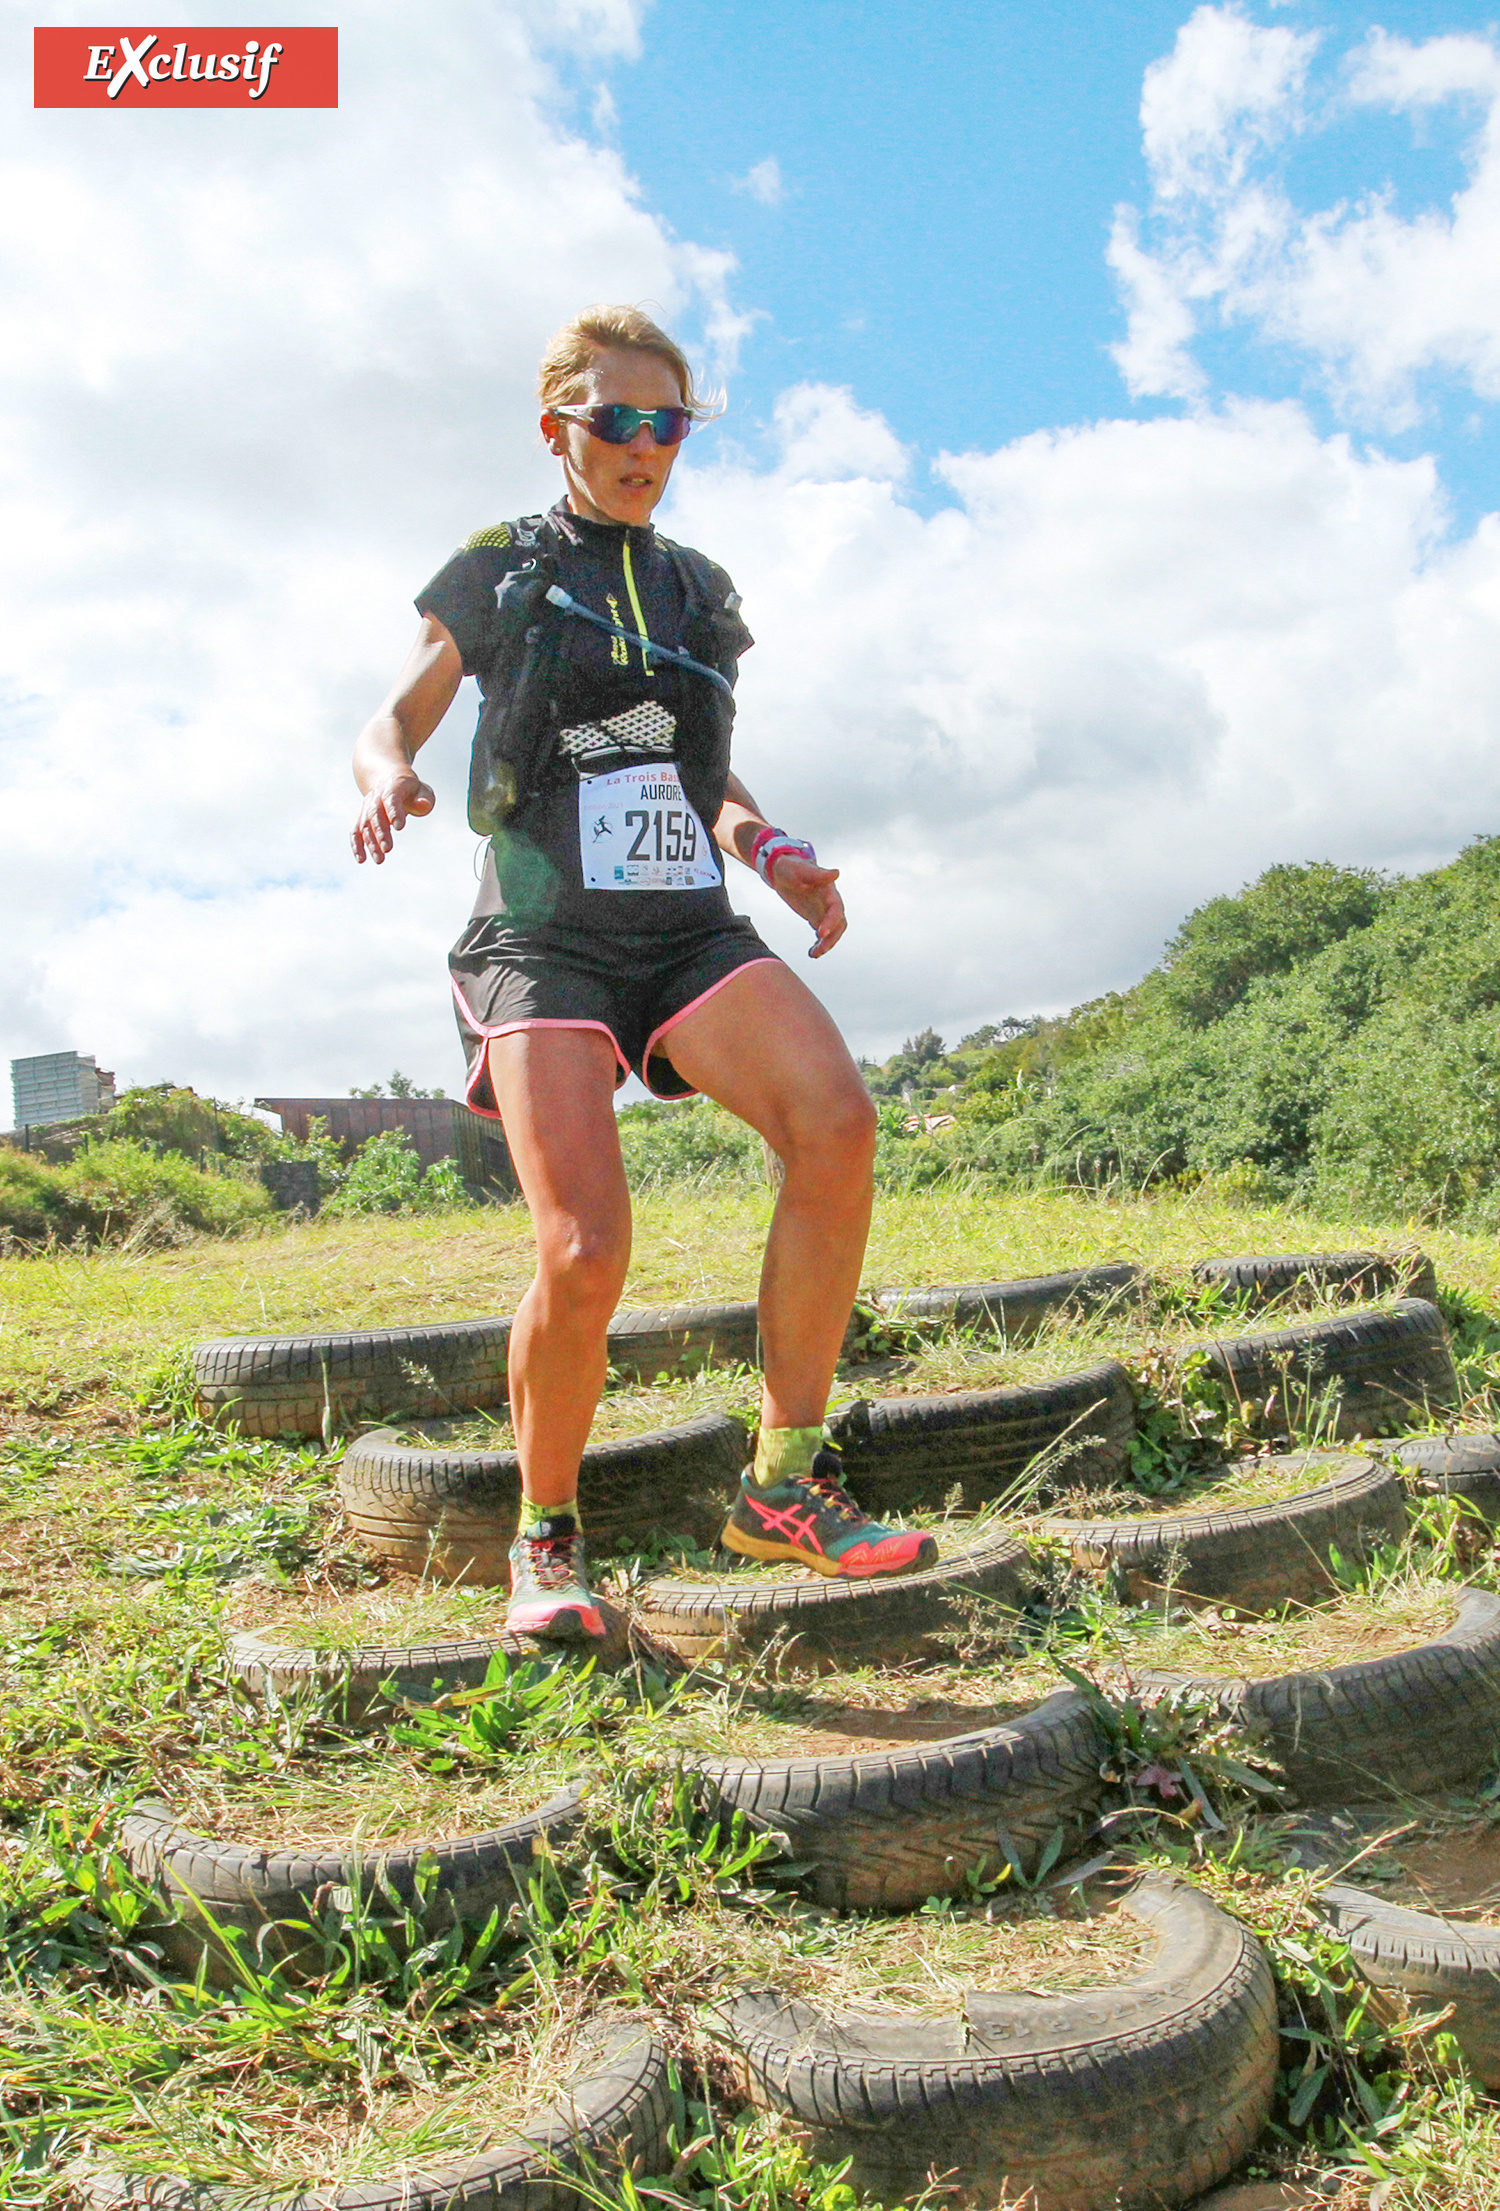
(514, 740)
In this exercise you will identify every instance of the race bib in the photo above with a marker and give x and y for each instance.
(637, 832)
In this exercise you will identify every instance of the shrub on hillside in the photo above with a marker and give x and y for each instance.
(168, 1117)
(119, 1189)
(696, 1141)
(388, 1177)
(34, 1206)
(1336, 1035)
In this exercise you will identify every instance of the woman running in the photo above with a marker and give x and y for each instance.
(603, 942)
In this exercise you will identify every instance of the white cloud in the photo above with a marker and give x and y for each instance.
(1372, 298)
(763, 182)
(1134, 664)
(1228, 90)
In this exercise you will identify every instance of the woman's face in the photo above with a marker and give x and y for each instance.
(617, 483)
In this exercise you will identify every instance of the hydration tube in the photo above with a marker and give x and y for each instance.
(565, 599)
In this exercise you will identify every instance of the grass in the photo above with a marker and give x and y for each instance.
(133, 1539)
(1365, 1623)
(94, 1324)
(1230, 1488)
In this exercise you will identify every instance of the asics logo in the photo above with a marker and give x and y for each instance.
(788, 1522)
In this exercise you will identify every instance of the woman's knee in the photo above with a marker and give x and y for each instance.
(836, 1134)
(583, 1265)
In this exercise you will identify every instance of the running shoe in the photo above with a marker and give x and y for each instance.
(812, 1518)
(549, 1590)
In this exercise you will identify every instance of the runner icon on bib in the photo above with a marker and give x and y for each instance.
(638, 832)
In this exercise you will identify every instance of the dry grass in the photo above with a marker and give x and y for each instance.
(1364, 1624)
(393, 1614)
(1037, 1945)
(1234, 1488)
(363, 1798)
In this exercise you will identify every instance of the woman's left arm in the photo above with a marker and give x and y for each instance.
(806, 887)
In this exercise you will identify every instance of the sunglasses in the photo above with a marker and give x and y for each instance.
(617, 425)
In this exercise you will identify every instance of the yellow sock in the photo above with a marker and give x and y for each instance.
(781, 1453)
(533, 1514)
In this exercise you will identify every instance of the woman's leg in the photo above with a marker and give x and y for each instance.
(555, 1090)
(764, 1047)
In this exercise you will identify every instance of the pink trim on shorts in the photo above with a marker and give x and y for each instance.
(479, 1072)
(692, 1006)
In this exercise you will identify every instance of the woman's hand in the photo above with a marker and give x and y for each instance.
(384, 809)
(418, 700)
(809, 890)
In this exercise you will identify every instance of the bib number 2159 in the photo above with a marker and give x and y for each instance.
(637, 831)
(670, 834)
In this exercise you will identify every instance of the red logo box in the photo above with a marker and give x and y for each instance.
(219, 67)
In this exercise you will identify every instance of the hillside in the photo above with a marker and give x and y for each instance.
(1329, 1033)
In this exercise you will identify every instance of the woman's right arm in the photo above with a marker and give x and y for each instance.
(418, 699)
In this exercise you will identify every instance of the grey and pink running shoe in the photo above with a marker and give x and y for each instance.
(549, 1590)
(812, 1518)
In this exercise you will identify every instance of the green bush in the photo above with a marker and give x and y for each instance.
(169, 1118)
(34, 1206)
(387, 1177)
(119, 1189)
(1333, 1034)
(693, 1142)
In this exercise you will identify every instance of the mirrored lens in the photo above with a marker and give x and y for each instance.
(617, 425)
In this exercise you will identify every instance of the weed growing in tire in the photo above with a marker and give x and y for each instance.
(1184, 1422)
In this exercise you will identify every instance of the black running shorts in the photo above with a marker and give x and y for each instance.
(633, 985)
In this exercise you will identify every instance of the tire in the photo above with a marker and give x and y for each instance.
(1145, 2092)
(1452, 1466)
(614, 2111)
(912, 1451)
(835, 1620)
(888, 1830)
(678, 1339)
(1253, 1558)
(363, 1680)
(1013, 1310)
(451, 1514)
(1386, 1367)
(313, 1385)
(1412, 1723)
(1363, 1274)
(1436, 1963)
(268, 1896)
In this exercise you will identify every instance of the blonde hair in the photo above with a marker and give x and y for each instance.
(563, 376)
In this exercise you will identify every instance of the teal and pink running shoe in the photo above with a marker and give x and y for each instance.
(812, 1519)
(549, 1590)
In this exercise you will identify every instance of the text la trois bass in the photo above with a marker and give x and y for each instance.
(217, 67)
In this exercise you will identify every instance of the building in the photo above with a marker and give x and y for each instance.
(439, 1128)
(59, 1086)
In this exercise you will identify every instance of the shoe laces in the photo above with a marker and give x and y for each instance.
(830, 1492)
(550, 1560)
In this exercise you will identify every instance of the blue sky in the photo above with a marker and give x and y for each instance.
(949, 177)
(1208, 579)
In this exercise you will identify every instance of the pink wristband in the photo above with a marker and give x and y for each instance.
(769, 845)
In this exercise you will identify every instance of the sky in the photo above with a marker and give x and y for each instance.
(1109, 473)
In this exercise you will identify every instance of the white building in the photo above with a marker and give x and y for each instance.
(59, 1086)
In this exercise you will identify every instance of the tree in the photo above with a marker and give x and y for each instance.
(401, 1086)
(920, 1049)
(1285, 916)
